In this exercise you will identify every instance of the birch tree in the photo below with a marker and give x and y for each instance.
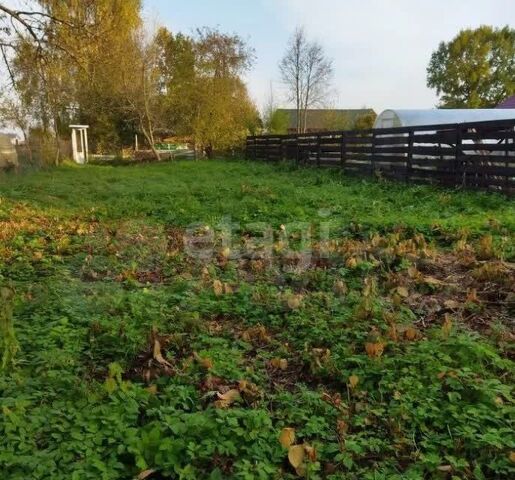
(141, 88)
(307, 73)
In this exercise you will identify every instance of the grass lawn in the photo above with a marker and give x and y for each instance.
(221, 319)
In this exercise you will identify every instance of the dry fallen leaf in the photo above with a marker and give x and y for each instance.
(353, 381)
(279, 363)
(392, 332)
(447, 326)
(205, 362)
(152, 389)
(432, 281)
(294, 301)
(158, 356)
(341, 427)
(310, 452)
(403, 292)
(340, 288)
(411, 333)
(472, 296)
(351, 263)
(374, 350)
(296, 455)
(218, 287)
(452, 304)
(287, 437)
(228, 398)
(145, 474)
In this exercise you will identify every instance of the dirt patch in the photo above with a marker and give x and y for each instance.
(478, 293)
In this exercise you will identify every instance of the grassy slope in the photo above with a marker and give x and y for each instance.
(91, 256)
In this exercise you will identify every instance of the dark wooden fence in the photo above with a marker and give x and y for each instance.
(473, 155)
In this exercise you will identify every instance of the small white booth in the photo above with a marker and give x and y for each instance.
(80, 148)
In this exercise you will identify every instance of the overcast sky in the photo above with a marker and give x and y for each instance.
(380, 48)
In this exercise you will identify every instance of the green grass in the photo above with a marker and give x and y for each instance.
(205, 192)
(124, 351)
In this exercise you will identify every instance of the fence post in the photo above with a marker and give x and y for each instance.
(373, 154)
(318, 149)
(507, 153)
(297, 148)
(457, 162)
(409, 160)
(342, 150)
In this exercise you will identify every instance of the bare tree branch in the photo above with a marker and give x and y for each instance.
(307, 73)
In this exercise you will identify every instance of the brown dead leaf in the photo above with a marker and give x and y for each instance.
(411, 333)
(402, 292)
(447, 326)
(393, 333)
(353, 381)
(321, 356)
(152, 389)
(204, 362)
(310, 452)
(250, 391)
(158, 356)
(472, 296)
(287, 437)
(296, 455)
(279, 363)
(226, 399)
(396, 299)
(432, 281)
(341, 427)
(145, 474)
(413, 272)
(374, 349)
(351, 263)
(257, 334)
(218, 287)
(294, 301)
(205, 276)
(452, 304)
(340, 288)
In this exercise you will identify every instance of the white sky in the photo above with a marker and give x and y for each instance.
(381, 48)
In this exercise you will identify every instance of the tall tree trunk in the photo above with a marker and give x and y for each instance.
(149, 137)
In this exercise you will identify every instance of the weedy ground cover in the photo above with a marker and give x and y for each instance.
(239, 320)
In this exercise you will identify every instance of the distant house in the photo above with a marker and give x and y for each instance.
(507, 103)
(318, 120)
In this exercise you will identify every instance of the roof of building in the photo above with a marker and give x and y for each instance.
(326, 118)
(507, 103)
(439, 116)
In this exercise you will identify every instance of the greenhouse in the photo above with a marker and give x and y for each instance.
(411, 118)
